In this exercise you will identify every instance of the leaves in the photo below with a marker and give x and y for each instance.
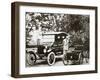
(76, 25)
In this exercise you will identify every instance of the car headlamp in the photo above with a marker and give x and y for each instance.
(44, 50)
(58, 37)
(63, 37)
(35, 50)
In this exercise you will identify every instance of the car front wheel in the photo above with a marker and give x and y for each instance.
(51, 58)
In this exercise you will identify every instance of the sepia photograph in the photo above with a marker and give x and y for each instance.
(54, 39)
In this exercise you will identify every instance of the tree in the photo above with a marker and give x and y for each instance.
(76, 25)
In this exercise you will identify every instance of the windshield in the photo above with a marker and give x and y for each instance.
(57, 44)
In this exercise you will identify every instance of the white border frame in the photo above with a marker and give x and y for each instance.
(52, 69)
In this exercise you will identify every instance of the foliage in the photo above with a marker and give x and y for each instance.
(76, 25)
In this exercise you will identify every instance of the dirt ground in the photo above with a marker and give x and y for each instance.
(58, 62)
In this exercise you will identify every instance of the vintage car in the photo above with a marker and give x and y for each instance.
(74, 55)
(49, 47)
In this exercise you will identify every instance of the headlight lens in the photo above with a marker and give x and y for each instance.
(44, 50)
(49, 50)
(58, 37)
(35, 50)
(63, 37)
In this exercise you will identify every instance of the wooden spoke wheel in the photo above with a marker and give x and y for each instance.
(31, 58)
(51, 58)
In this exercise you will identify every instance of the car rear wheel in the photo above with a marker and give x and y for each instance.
(31, 58)
(51, 58)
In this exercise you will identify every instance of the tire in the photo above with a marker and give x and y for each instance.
(31, 58)
(65, 61)
(51, 58)
(80, 58)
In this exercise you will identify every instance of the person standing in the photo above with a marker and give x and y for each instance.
(65, 44)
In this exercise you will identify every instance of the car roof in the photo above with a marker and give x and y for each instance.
(54, 33)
